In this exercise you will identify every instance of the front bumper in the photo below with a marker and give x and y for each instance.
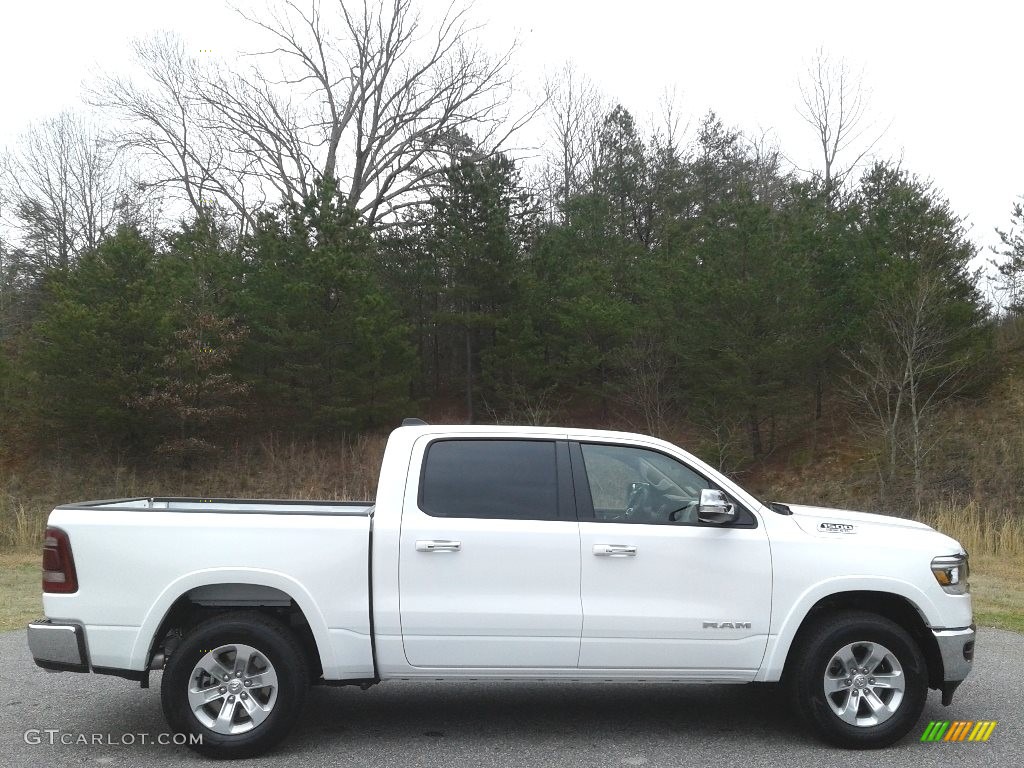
(58, 647)
(956, 647)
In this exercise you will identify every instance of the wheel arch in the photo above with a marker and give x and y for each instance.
(896, 607)
(201, 594)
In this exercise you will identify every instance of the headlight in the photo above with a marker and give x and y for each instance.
(951, 572)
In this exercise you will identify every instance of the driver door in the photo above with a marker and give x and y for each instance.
(660, 590)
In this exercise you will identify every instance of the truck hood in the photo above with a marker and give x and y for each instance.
(833, 522)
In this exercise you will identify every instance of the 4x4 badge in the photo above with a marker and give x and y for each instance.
(836, 527)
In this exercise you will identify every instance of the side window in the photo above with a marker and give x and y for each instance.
(635, 485)
(497, 479)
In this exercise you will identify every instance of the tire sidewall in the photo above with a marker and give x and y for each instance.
(811, 699)
(271, 639)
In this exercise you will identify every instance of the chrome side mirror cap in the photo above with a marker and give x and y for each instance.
(715, 508)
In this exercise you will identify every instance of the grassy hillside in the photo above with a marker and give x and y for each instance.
(973, 491)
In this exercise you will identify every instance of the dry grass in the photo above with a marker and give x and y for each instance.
(272, 468)
(995, 534)
(997, 584)
(20, 590)
(996, 544)
(22, 527)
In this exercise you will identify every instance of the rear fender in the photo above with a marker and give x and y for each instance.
(216, 576)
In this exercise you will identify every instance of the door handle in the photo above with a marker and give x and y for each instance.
(438, 546)
(615, 550)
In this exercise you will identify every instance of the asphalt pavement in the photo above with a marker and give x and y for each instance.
(480, 725)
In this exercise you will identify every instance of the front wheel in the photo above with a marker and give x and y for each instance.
(859, 680)
(235, 684)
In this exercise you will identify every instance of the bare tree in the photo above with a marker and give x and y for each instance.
(667, 131)
(168, 126)
(363, 101)
(412, 103)
(905, 374)
(769, 179)
(727, 440)
(62, 188)
(647, 371)
(834, 102)
(1010, 280)
(524, 405)
(262, 127)
(8, 293)
(574, 111)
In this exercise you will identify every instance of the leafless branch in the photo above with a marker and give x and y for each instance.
(574, 112)
(904, 374)
(359, 98)
(63, 188)
(834, 102)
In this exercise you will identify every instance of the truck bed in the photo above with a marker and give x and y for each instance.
(229, 506)
(137, 557)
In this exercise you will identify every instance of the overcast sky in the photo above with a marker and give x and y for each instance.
(947, 76)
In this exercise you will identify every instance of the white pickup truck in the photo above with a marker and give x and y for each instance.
(507, 553)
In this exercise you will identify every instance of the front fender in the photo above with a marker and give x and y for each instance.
(786, 625)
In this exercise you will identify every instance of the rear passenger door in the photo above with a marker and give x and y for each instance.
(489, 564)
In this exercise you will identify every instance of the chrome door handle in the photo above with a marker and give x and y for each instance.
(438, 546)
(615, 550)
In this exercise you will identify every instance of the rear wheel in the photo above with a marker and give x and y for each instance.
(858, 679)
(238, 681)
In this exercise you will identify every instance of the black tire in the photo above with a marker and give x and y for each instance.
(276, 643)
(809, 662)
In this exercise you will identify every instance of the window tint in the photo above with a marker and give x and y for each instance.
(506, 479)
(635, 485)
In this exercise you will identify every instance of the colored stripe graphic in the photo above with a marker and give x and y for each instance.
(984, 733)
(959, 730)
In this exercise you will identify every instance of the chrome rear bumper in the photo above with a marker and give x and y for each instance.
(58, 647)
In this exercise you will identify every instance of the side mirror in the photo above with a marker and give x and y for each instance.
(715, 508)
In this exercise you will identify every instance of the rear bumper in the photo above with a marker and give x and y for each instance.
(58, 647)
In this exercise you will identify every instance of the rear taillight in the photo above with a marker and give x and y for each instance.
(58, 565)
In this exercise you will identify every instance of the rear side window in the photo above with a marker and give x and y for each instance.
(496, 479)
